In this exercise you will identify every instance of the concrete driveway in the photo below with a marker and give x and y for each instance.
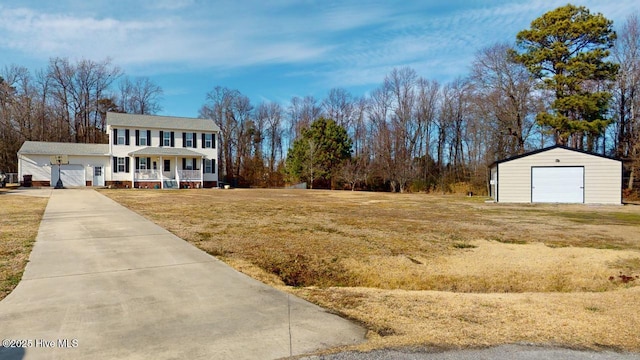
(105, 283)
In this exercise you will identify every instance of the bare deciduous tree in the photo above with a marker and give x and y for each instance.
(232, 111)
(505, 97)
(339, 106)
(271, 114)
(141, 96)
(627, 97)
(77, 88)
(302, 112)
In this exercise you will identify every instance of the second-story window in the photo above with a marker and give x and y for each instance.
(208, 140)
(143, 138)
(122, 136)
(166, 139)
(188, 142)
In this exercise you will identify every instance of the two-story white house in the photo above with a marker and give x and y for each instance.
(161, 151)
(144, 151)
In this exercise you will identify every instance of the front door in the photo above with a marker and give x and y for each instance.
(98, 176)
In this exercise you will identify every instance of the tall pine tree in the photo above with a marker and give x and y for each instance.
(567, 49)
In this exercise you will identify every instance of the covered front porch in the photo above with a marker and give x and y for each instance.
(166, 168)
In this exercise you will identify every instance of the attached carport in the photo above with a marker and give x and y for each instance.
(557, 174)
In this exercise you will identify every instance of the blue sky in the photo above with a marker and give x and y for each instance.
(269, 50)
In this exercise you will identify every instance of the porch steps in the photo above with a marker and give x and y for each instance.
(171, 184)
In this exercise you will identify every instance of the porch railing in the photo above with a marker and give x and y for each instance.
(186, 175)
(147, 175)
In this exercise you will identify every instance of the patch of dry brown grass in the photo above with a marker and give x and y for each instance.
(496, 267)
(19, 222)
(585, 320)
(377, 258)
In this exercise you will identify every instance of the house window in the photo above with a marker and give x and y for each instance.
(190, 164)
(121, 137)
(208, 140)
(143, 141)
(122, 164)
(167, 165)
(208, 166)
(143, 163)
(166, 138)
(188, 138)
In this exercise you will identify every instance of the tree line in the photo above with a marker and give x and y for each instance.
(573, 84)
(66, 102)
(569, 79)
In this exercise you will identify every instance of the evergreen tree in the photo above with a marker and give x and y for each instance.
(567, 49)
(319, 152)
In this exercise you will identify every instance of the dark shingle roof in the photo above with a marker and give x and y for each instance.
(160, 122)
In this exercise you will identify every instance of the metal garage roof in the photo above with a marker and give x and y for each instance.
(550, 148)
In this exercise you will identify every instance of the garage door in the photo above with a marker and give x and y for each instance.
(557, 184)
(72, 175)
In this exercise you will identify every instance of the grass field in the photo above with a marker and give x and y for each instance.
(19, 221)
(426, 270)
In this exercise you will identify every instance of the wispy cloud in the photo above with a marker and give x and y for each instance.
(442, 45)
(171, 5)
(346, 42)
(45, 35)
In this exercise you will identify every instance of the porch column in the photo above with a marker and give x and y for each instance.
(132, 167)
(161, 167)
(201, 173)
(177, 174)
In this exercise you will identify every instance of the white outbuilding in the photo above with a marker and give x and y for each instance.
(557, 174)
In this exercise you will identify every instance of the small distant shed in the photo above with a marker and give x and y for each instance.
(557, 174)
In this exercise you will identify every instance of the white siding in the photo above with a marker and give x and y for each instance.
(603, 177)
(493, 182)
(125, 150)
(40, 168)
(35, 165)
